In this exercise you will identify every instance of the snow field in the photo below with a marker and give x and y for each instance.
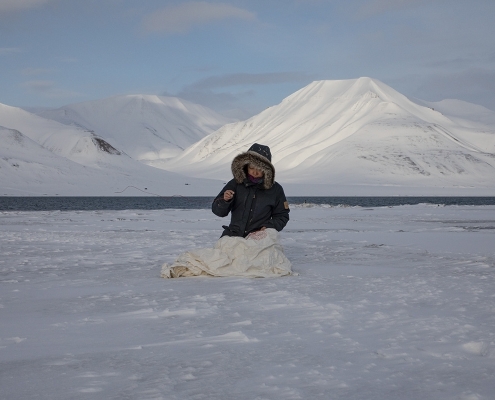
(389, 303)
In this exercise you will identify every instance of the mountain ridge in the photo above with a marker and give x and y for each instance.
(44, 157)
(317, 135)
(146, 127)
(358, 137)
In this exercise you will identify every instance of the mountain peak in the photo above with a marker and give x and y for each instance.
(358, 131)
(346, 89)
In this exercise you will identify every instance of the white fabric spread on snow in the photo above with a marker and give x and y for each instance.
(258, 255)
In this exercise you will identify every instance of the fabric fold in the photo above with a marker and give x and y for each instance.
(258, 255)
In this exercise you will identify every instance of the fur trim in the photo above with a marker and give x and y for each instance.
(257, 161)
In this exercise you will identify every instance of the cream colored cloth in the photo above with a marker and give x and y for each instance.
(258, 255)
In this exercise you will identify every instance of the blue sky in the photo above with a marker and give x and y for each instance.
(242, 55)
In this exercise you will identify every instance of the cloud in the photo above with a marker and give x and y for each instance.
(217, 92)
(68, 60)
(374, 7)
(39, 85)
(475, 85)
(49, 90)
(35, 71)
(9, 50)
(19, 5)
(241, 79)
(215, 100)
(184, 17)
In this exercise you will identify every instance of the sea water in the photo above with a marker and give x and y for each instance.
(177, 202)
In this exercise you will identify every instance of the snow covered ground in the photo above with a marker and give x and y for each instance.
(389, 303)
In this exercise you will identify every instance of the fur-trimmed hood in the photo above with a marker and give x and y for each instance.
(256, 160)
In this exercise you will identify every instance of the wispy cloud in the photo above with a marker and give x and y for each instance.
(241, 79)
(39, 85)
(68, 60)
(472, 80)
(49, 89)
(476, 85)
(35, 71)
(9, 50)
(19, 5)
(184, 17)
(234, 94)
(374, 7)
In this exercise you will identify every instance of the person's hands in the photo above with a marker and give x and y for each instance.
(228, 195)
(262, 228)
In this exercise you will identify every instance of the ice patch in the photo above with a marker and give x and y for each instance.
(471, 396)
(477, 348)
(242, 323)
(149, 313)
(90, 390)
(16, 339)
(231, 337)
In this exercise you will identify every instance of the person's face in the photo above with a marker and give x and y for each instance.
(254, 172)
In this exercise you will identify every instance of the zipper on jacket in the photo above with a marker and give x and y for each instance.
(252, 207)
(251, 212)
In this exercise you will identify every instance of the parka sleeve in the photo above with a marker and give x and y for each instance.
(220, 207)
(280, 214)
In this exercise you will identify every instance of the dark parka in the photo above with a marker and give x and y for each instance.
(254, 205)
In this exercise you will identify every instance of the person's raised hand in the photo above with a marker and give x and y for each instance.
(228, 195)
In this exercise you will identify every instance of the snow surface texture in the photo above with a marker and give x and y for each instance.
(389, 303)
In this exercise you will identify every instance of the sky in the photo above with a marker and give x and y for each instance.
(240, 57)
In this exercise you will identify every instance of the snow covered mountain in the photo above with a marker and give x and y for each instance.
(76, 144)
(350, 137)
(146, 127)
(357, 133)
(40, 156)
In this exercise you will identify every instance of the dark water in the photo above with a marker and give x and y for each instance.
(158, 203)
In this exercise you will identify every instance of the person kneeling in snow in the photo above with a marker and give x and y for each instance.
(249, 245)
(253, 198)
